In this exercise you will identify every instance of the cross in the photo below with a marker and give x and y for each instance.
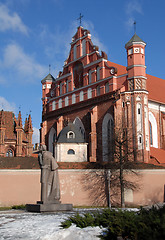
(81, 16)
(134, 26)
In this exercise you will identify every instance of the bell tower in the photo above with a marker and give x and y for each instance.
(138, 96)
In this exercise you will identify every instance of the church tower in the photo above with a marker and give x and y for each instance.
(137, 97)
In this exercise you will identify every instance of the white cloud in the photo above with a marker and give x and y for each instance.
(7, 106)
(24, 65)
(11, 21)
(95, 39)
(133, 6)
(36, 134)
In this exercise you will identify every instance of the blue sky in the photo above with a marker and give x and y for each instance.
(36, 33)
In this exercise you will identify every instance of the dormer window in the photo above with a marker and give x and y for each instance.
(70, 135)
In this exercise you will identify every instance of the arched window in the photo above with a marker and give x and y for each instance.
(75, 52)
(78, 74)
(53, 106)
(98, 73)
(60, 103)
(71, 151)
(83, 47)
(52, 139)
(151, 137)
(90, 77)
(89, 94)
(66, 101)
(73, 98)
(9, 153)
(61, 84)
(107, 137)
(81, 96)
(67, 86)
(70, 135)
(98, 90)
(153, 130)
(107, 87)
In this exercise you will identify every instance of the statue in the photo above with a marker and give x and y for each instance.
(50, 188)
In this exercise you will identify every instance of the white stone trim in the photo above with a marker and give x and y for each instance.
(153, 122)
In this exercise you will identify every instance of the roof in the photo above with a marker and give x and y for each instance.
(135, 38)
(48, 78)
(157, 155)
(156, 87)
(63, 135)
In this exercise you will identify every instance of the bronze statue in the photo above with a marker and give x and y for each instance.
(50, 187)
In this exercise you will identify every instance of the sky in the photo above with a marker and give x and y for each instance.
(37, 33)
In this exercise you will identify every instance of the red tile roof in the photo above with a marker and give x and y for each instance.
(156, 88)
(157, 156)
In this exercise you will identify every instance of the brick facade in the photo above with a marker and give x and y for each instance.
(15, 140)
(101, 96)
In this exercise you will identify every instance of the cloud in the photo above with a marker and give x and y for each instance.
(15, 59)
(6, 106)
(11, 21)
(36, 134)
(133, 6)
(57, 46)
(95, 39)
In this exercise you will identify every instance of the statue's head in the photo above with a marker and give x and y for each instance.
(43, 148)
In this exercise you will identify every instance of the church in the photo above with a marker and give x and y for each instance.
(92, 97)
(15, 140)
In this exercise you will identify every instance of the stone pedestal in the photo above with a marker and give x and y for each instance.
(49, 207)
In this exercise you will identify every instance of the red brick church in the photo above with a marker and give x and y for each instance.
(15, 140)
(91, 96)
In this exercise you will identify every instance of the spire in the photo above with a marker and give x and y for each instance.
(26, 125)
(2, 118)
(29, 124)
(19, 121)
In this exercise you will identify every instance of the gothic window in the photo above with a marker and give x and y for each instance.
(90, 77)
(78, 74)
(52, 139)
(9, 153)
(75, 52)
(81, 96)
(107, 137)
(71, 151)
(98, 73)
(83, 47)
(89, 94)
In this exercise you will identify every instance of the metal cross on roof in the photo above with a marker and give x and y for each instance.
(134, 26)
(49, 68)
(81, 16)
